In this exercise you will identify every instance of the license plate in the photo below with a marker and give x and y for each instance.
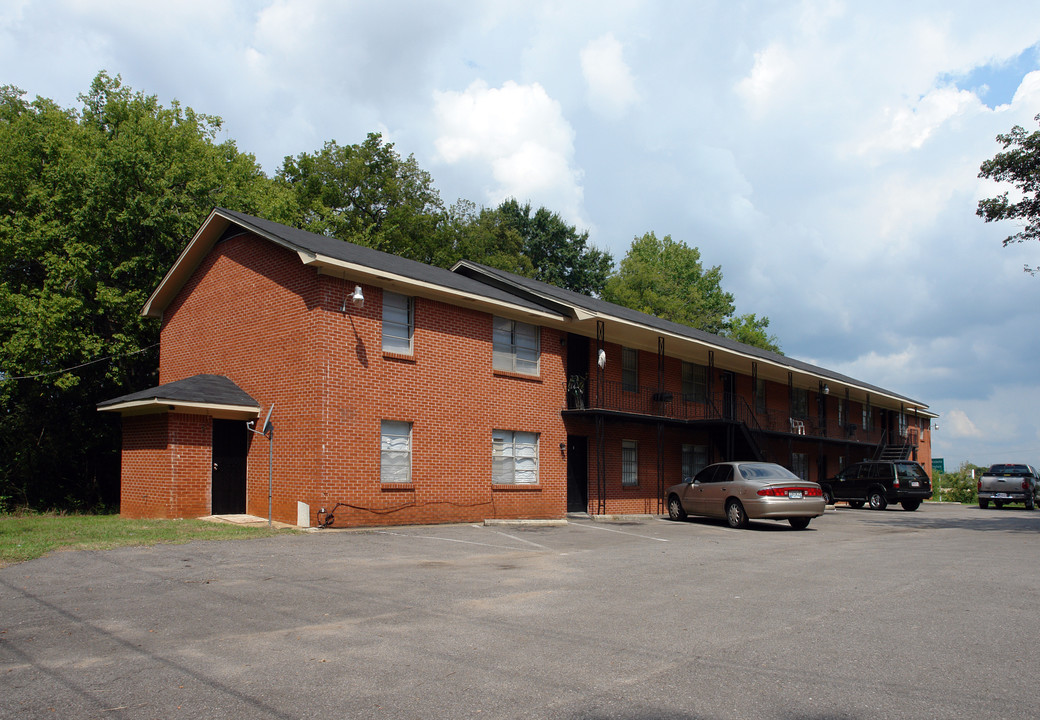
(914, 483)
(794, 494)
(1000, 495)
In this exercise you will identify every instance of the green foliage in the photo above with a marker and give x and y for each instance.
(29, 535)
(559, 254)
(94, 207)
(365, 194)
(959, 486)
(665, 277)
(1018, 164)
(369, 195)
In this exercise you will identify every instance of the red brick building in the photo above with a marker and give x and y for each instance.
(405, 393)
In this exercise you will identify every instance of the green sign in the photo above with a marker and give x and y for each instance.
(938, 465)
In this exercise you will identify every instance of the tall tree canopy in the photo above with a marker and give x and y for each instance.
(369, 195)
(366, 194)
(665, 277)
(1018, 164)
(559, 254)
(95, 204)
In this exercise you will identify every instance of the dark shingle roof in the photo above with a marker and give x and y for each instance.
(208, 389)
(604, 308)
(377, 260)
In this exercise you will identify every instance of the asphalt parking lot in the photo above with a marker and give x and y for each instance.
(864, 615)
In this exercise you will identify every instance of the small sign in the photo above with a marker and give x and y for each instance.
(938, 465)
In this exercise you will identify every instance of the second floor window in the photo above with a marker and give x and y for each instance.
(629, 369)
(515, 346)
(760, 395)
(694, 382)
(398, 323)
(800, 403)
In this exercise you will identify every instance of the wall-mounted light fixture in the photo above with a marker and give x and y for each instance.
(358, 299)
(602, 359)
(826, 389)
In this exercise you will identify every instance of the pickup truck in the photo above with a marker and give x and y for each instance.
(1009, 483)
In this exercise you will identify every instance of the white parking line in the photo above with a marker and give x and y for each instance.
(434, 537)
(621, 532)
(520, 539)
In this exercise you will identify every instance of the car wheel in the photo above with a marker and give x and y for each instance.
(877, 500)
(735, 515)
(855, 504)
(828, 496)
(910, 505)
(983, 504)
(675, 508)
(799, 523)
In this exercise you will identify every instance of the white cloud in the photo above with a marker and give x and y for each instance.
(611, 89)
(520, 134)
(908, 126)
(773, 69)
(958, 425)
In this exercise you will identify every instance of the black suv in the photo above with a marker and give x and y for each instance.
(880, 483)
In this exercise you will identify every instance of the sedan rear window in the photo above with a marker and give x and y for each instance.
(753, 471)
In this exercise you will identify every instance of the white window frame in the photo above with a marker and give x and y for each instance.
(629, 463)
(515, 346)
(514, 457)
(398, 323)
(395, 451)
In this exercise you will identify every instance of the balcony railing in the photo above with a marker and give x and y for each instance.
(649, 401)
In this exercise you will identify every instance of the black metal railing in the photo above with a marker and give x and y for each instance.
(586, 394)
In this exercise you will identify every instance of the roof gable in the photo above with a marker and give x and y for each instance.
(340, 258)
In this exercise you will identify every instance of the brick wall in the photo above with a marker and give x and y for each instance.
(254, 313)
(145, 488)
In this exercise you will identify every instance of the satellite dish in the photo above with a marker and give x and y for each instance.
(266, 428)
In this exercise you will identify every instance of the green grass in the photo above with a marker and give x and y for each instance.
(29, 536)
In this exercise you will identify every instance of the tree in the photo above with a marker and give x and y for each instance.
(665, 277)
(483, 236)
(365, 194)
(535, 244)
(1019, 165)
(95, 205)
(558, 253)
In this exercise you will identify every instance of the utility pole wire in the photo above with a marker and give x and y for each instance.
(77, 367)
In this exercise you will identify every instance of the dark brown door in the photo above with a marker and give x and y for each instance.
(229, 467)
(577, 473)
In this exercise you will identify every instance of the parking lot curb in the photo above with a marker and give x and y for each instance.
(546, 523)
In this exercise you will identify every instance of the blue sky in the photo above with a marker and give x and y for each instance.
(824, 153)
